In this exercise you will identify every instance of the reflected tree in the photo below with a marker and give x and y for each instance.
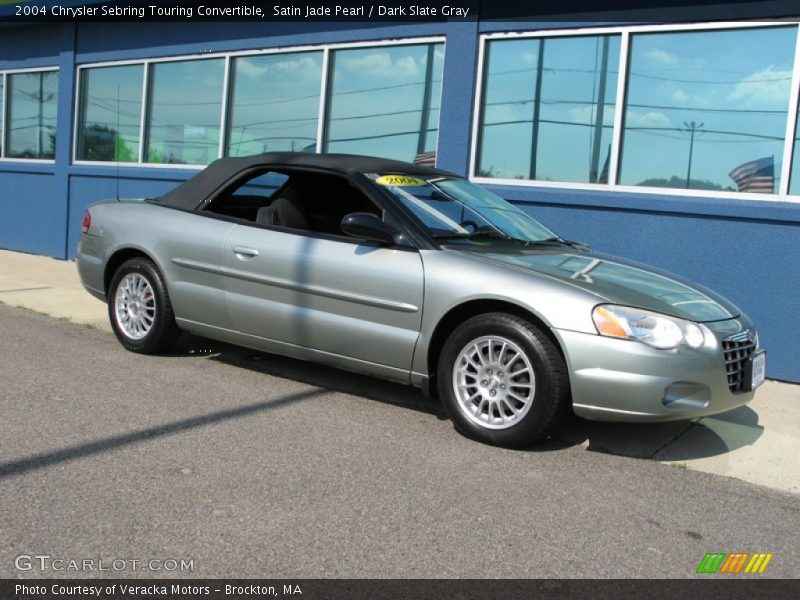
(680, 182)
(103, 143)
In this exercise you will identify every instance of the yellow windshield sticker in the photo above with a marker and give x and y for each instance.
(399, 180)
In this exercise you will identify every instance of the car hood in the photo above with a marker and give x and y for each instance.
(621, 281)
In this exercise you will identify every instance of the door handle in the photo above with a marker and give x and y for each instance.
(244, 252)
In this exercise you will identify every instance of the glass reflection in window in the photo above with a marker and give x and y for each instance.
(547, 111)
(31, 116)
(274, 103)
(707, 110)
(184, 112)
(110, 114)
(384, 101)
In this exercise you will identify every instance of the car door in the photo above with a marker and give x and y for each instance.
(336, 300)
(189, 246)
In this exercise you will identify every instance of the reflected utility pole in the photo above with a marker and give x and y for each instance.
(536, 110)
(600, 114)
(40, 98)
(422, 140)
(691, 127)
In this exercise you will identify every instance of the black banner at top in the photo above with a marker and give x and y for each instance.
(32, 11)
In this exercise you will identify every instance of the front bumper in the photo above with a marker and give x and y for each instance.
(622, 380)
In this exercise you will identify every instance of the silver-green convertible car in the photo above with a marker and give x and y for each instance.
(416, 275)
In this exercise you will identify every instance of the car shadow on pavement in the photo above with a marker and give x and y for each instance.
(70, 453)
(309, 373)
(679, 440)
(671, 441)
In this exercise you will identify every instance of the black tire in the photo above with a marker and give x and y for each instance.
(162, 332)
(548, 388)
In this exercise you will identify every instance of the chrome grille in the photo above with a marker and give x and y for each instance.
(737, 350)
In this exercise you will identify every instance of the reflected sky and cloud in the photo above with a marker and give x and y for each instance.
(698, 105)
(733, 85)
(384, 101)
(184, 113)
(275, 103)
(111, 103)
(549, 107)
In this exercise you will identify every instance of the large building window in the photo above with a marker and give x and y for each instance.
(701, 108)
(379, 99)
(183, 112)
(32, 100)
(707, 110)
(110, 114)
(274, 103)
(547, 109)
(384, 101)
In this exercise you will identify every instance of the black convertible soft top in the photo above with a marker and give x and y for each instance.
(190, 194)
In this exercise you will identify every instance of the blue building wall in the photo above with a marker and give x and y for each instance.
(746, 250)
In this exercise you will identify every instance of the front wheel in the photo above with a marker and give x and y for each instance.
(139, 308)
(502, 381)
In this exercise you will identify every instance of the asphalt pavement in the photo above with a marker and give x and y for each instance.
(244, 464)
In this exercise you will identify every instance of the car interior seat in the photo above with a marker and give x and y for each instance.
(283, 213)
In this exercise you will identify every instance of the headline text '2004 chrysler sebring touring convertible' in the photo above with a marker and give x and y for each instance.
(415, 275)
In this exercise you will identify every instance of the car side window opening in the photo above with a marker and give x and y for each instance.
(244, 198)
(306, 201)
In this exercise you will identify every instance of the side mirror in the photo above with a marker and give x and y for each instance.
(369, 227)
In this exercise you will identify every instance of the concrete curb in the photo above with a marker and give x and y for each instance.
(756, 443)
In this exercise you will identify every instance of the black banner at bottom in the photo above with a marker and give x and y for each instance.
(411, 589)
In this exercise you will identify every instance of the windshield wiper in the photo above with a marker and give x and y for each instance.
(558, 241)
(478, 233)
(495, 234)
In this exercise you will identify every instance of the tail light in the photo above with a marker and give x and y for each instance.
(87, 222)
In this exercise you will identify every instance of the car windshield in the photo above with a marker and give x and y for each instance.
(455, 209)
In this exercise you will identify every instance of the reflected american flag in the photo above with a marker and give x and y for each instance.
(755, 176)
(427, 159)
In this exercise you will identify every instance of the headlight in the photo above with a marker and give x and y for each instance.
(654, 329)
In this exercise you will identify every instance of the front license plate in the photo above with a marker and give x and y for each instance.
(759, 369)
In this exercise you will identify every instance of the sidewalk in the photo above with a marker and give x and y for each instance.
(756, 443)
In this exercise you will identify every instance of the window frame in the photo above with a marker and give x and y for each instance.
(4, 115)
(625, 33)
(148, 94)
(77, 116)
(325, 88)
(326, 103)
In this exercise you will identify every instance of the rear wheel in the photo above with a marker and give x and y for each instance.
(502, 381)
(139, 308)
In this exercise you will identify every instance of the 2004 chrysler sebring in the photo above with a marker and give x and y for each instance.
(415, 275)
